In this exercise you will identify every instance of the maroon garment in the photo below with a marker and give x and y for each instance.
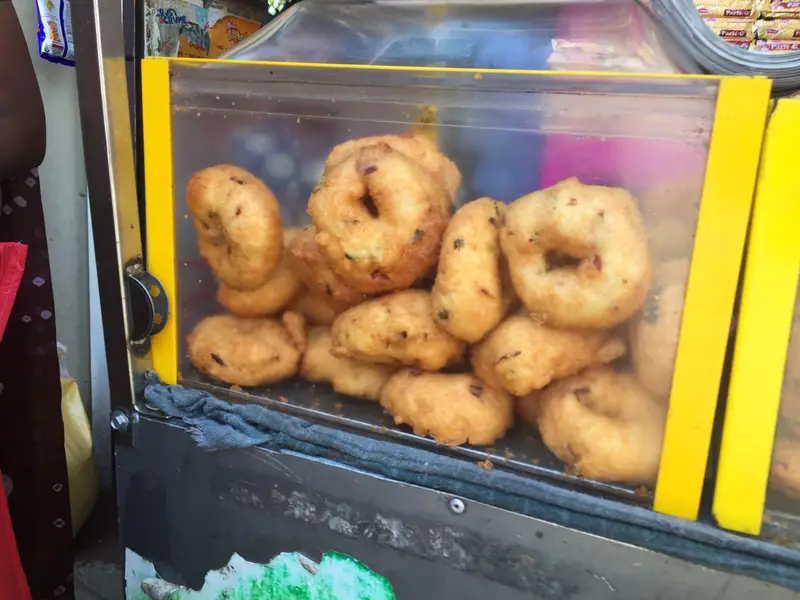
(31, 428)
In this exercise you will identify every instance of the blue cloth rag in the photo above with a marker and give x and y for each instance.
(217, 425)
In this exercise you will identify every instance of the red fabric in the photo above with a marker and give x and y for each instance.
(12, 266)
(13, 583)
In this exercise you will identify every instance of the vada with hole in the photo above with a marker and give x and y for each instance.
(238, 223)
(416, 147)
(379, 220)
(577, 254)
(468, 295)
(603, 424)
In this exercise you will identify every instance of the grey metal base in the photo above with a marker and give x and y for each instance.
(188, 510)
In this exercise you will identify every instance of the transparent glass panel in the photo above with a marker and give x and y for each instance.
(611, 35)
(782, 516)
(509, 135)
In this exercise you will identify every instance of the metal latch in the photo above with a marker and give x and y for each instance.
(148, 305)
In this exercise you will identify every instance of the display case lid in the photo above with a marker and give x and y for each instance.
(576, 35)
(629, 36)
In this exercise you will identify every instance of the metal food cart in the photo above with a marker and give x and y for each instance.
(520, 96)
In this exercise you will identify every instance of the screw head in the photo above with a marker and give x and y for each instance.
(120, 421)
(457, 505)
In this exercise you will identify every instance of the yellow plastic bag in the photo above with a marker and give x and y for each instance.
(81, 468)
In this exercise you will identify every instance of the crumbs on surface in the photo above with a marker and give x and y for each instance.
(485, 464)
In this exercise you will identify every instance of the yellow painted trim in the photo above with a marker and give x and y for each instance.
(159, 203)
(731, 170)
(453, 70)
(765, 321)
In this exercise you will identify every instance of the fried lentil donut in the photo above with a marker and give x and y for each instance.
(527, 408)
(315, 309)
(270, 298)
(265, 301)
(522, 355)
(452, 409)
(604, 424)
(670, 213)
(247, 352)
(790, 391)
(788, 421)
(311, 267)
(416, 147)
(670, 238)
(577, 254)
(785, 469)
(654, 332)
(318, 364)
(297, 328)
(379, 219)
(362, 380)
(347, 376)
(397, 329)
(468, 295)
(238, 223)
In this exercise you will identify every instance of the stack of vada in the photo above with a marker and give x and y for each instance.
(531, 307)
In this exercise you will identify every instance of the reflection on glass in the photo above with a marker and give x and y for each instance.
(507, 256)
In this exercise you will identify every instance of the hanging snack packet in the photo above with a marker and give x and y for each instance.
(228, 24)
(779, 8)
(778, 29)
(739, 30)
(740, 9)
(775, 46)
(55, 31)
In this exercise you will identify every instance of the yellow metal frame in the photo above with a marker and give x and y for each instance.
(765, 321)
(730, 177)
(160, 203)
(733, 156)
(199, 62)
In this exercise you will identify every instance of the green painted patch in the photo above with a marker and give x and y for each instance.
(289, 576)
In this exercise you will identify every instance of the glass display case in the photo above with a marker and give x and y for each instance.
(757, 485)
(611, 35)
(613, 309)
(546, 434)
